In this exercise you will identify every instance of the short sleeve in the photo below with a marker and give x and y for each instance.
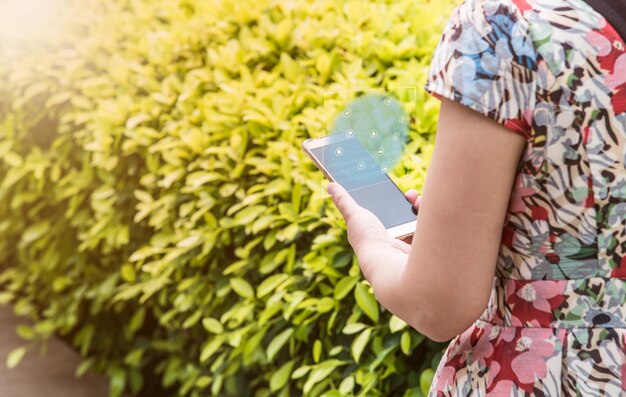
(486, 61)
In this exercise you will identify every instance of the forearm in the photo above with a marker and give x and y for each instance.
(387, 273)
(399, 290)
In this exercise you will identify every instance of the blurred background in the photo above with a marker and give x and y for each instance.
(157, 214)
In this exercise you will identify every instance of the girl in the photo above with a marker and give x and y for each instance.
(519, 254)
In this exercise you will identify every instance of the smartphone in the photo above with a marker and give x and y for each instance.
(344, 160)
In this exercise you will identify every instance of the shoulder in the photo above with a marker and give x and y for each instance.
(512, 8)
(488, 14)
(494, 31)
(567, 33)
(486, 60)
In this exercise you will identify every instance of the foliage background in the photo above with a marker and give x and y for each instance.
(156, 209)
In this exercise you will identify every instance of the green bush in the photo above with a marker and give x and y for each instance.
(156, 209)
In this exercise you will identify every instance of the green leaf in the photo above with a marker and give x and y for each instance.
(405, 343)
(242, 287)
(117, 383)
(135, 380)
(325, 305)
(316, 375)
(335, 350)
(366, 302)
(15, 356)
(128, 273)
(190, 242)
(317, 350)
(137, 320)
(275, 345)
(143, 253)
(380, 357)
(134, 357)
(300, 372)
(6, 297)
(426, 378)
(45, 327)
(35, 232)
(270, 284)
(396, 324)
(200, 178)
(212, 325)
(347, 385)
(359, 344)
(13, 159)
(343, 287)
(203, 381)
(84, 366)
(26, 332)
(353, 328)
(210, 348)
(247, 215)
(289, 233)
(281, 377)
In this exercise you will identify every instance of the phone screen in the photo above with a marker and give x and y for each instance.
(352, 167)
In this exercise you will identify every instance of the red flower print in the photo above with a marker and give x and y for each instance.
(445, 379)
(503, 388)
(482, 351)
(618, 100)
(539, 297)
(523, 5)
(520, 191)
(620, 271)
(531, 302)
(531, 363)
(618, 75)
(600, 42)
(523, 355)
(617, 83)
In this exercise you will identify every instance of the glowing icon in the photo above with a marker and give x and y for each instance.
(387, 101)
(349, 133)
(380, 151)
(361, 165)
(373, 133)
(396, 137)
(347, 113)
(338, 151)
(402, 120)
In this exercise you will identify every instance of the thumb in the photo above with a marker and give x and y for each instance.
(343, 201)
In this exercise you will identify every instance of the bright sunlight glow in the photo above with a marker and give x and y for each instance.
(29, 21)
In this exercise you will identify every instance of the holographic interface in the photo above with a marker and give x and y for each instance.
(349, 164)
(379, 123)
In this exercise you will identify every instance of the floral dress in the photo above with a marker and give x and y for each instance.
(553, 71)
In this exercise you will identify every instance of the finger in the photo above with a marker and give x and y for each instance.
(343, 201)
(413, 196)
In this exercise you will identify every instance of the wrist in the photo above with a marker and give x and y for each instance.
(384, 270)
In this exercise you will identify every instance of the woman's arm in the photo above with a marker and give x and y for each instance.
(441, 285)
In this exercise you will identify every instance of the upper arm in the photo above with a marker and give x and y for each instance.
(462, 213)
(485, 71)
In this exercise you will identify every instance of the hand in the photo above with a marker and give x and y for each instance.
(367, 235)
